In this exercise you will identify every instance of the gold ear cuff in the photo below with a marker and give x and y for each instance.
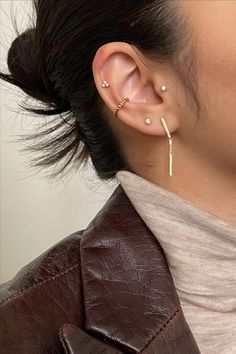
(121, 105)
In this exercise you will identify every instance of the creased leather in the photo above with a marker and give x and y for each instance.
(77, 341)
(104, 289)
(129, 294)
(41, 297)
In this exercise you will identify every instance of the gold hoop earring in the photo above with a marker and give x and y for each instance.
(170, 145)
(121, 105)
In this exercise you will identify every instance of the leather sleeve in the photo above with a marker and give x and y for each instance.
(43, 295)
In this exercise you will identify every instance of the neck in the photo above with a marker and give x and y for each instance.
(196, 180)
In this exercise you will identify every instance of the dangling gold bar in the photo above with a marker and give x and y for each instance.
(170, 146)
(170, 157)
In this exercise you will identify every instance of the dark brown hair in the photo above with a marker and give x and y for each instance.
(52, 63)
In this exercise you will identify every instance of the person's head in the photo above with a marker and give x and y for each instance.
(137, 46)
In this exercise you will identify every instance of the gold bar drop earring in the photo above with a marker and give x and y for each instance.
(170, 145)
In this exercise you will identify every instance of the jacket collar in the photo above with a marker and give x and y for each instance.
(129, 296)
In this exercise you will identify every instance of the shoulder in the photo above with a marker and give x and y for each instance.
(51, 290)
(59, 259)
(38, 300)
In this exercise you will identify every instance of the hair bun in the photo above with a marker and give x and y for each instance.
(27, 72)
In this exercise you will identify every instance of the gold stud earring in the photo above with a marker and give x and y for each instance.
(170, 144)
(105, 84)
(148, 121)
(163, 88)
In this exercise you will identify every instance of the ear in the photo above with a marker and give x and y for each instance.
(123, 68)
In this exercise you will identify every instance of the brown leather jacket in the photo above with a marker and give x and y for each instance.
(105, 289)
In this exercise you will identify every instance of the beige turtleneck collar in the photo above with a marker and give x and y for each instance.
(200, 249)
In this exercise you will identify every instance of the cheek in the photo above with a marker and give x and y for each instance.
(216, 70)
(217, 88)
(215, 25)
(217, 65)
(217, 96)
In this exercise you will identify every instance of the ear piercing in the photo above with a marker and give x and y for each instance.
(121, 105)
(148, 121)
(163, 88)
(105, 84)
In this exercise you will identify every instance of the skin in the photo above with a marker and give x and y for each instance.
(204, 150)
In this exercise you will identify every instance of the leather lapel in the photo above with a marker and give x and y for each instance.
(129, 295)
(77, 341)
